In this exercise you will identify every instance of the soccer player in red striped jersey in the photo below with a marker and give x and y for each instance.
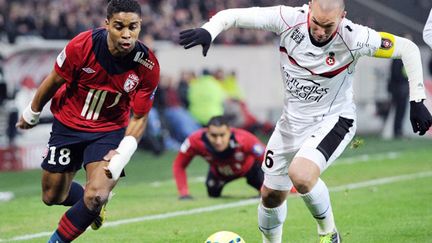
(231, 152)
(98, 78)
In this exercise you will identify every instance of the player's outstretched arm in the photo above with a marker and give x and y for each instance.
(119, 157)
(427, 32)
(180, 164)
(44, 93)
(267, 18)
(398, 47)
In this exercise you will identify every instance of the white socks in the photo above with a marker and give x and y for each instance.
(270, 222)
(318, 202)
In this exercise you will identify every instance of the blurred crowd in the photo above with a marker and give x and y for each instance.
(162, 20)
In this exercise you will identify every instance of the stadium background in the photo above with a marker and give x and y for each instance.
(33, 32)
(386, 182)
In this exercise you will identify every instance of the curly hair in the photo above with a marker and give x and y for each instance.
(128, 6)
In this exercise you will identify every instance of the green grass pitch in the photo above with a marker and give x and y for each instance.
(381, 192)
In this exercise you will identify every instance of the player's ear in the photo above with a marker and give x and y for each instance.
(106, 22)
(344, 13)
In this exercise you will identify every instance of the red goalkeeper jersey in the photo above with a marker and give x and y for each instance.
(101, 89)
(243, 151)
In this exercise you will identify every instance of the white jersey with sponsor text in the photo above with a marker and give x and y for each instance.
(317, 80)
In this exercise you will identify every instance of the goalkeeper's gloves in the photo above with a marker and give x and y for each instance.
(420, 117)
(192, 37)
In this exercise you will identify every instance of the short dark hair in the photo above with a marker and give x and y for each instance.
(218, 121)
(128, 6)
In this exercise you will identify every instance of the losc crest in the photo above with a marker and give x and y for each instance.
(131, 82)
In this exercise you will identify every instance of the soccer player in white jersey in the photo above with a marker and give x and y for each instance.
(427, 32)
(319, 48)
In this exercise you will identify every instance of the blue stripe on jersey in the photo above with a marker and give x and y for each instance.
(114, 65)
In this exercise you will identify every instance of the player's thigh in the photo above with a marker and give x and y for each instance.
(278, 155)
(55, 186)
(328, 141)
(255, 176)
(215, 184)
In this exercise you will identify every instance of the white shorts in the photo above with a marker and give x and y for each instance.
(321, 143)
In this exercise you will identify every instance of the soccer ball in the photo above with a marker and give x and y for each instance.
(224, 237)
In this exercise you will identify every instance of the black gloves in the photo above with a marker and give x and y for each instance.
(192, 37)
(420, 117)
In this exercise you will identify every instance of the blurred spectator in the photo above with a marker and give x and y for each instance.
(206, 98)
(178, 120)
(183, 87)
(398, 87)
(235, 108)
(63, 19)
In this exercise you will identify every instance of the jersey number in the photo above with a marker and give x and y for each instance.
(64, 157)
(269, 160)
(93, 103)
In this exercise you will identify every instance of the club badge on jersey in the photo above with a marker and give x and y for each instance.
(131, 82)
(330, 60)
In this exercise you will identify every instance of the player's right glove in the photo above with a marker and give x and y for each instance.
(198, 36)
(420, 117)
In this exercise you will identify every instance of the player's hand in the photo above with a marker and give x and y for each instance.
(186, 197)
(420, 117)
(22, 124)
(28, 119)
(198, 36)
(108, 157)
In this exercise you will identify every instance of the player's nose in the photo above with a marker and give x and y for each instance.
(126, 34)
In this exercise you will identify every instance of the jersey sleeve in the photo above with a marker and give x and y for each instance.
(361, 39)
(68, 61)
(183, 159)
(143, 99)
(255, 147)
(276, 19)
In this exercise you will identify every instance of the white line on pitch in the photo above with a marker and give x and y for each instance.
(352, 186)
(343, 161)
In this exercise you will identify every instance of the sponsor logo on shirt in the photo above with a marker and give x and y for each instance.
(131, 82)
(304, 89)
(145, 62)
(297, 36)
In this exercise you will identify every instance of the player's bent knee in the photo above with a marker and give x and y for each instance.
(272, 198)
(95, 199)
(214, 192)
(303, 181)
(50, 199)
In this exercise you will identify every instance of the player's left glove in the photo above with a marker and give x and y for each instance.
(420, 117)
(192, 37)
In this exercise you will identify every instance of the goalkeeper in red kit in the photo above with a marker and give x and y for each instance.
(231, 152)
